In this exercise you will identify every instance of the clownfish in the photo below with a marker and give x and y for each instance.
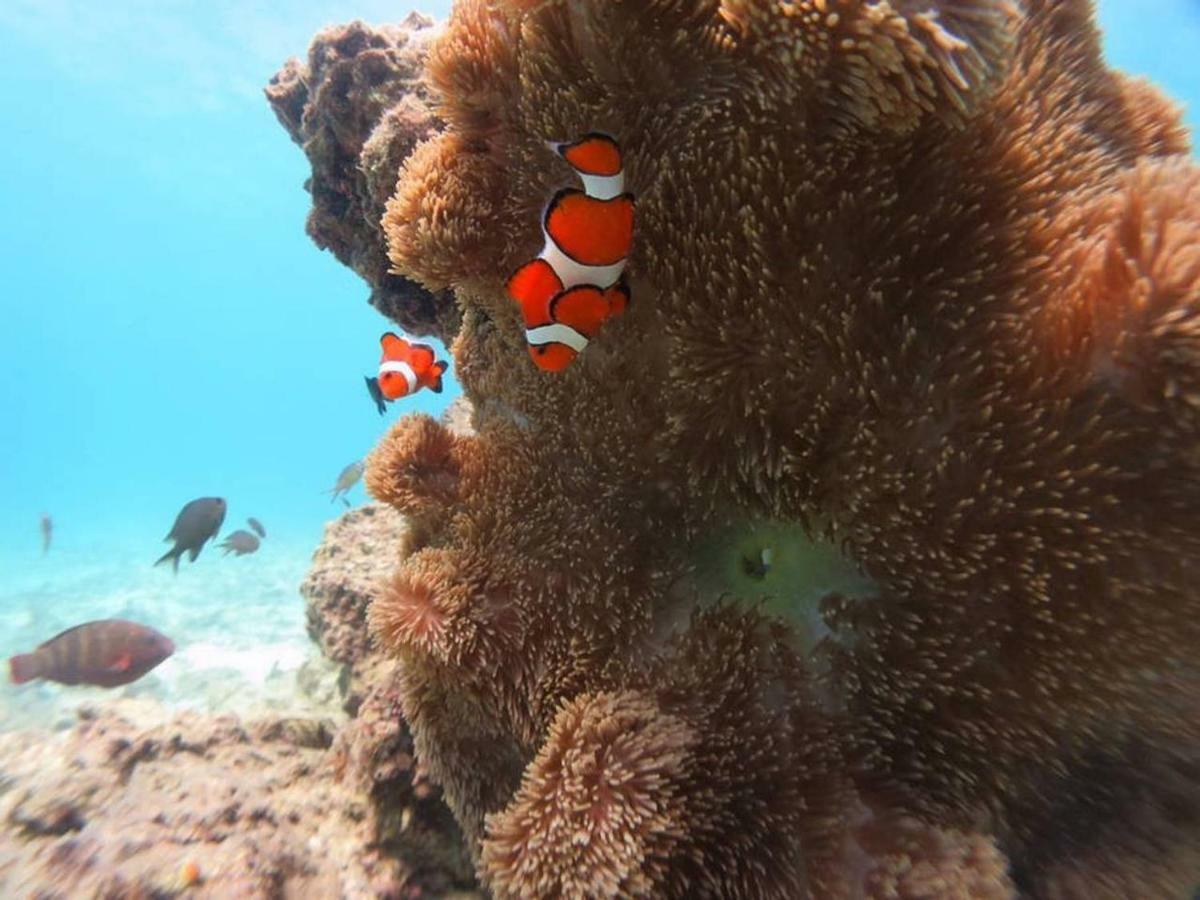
(574, 285)
(406, 367)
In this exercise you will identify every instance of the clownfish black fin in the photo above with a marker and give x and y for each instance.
(376, 394)
(440, 368)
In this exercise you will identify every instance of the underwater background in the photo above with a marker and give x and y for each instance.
(170, 332)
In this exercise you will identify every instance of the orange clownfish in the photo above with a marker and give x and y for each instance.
(406, 367)
(575, 285)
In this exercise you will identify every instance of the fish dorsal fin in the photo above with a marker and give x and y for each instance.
(394, 346)
(49, 641)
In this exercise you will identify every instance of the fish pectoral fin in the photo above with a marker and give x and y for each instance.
(121, 663)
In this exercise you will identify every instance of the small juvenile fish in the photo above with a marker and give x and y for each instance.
(198, 521)
(405, 368)
(574, 285)
(257, 526)
(239, 543)
(106, 653)
(376, 394)
(346, 480)
(47, 531)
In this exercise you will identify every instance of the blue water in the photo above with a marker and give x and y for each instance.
(170, 332)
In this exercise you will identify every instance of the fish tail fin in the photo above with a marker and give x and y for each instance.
(23, 667)
(439, 369)
(173, 555)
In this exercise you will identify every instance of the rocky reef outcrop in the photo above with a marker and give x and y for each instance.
(357, 107)
(356, 555)
(374, 750)
(859, 557)
(119, 806)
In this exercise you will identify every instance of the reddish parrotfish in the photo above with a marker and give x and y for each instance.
(198, 521)
(106, 653)
(405, 368)
(575, 284)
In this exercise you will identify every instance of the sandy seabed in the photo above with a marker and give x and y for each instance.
(237, 623)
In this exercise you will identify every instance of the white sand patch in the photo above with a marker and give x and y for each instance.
(237, 623)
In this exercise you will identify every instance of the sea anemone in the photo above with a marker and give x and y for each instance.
(916, 290)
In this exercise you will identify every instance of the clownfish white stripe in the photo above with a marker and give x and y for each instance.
(398, 365)
(556, 333)
(603, 187)
(573, 274)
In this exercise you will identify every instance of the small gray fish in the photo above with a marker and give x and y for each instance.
(346, 480)
(198, 521)
(47, 531)
(257, 526)
(239, 543)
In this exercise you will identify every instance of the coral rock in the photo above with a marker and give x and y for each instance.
(116, 808)
(356, 556)
(357, 108)
(374, 752)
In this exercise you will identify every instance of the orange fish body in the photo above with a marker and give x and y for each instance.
(575, 285)
(560, 321)
(406, 367)
(591, 232)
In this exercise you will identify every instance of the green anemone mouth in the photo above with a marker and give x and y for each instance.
(778, 568)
